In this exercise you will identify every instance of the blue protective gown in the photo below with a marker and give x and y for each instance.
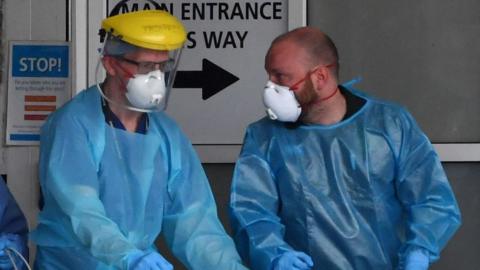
(359, 194)
(12, 221)
(109, 193)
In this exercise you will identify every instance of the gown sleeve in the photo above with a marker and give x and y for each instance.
(254, 205)
(190, 226)
(68, 174)
(432, 213)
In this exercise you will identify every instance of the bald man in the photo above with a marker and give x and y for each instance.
(334, 178)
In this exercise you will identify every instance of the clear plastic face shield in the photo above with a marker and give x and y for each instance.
(144, 86)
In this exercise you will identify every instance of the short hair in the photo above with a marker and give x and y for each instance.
(116, 46)
(319, 46)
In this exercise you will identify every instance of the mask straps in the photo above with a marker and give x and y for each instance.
(128, 73)
(325, 98)
(294, 87)
(329, 96)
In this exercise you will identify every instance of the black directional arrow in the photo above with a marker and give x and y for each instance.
(212, 79)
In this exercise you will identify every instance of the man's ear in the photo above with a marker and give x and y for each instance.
(109, 63)
(320, 77)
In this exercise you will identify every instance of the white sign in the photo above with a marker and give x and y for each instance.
(38, 83)
(217, 91)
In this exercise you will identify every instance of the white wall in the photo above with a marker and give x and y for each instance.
(26, 20)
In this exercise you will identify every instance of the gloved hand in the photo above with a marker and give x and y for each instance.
(417, 260)
(9, 240)
(293, 260)
(149, 261)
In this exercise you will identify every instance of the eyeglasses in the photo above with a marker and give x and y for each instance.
(146, 67)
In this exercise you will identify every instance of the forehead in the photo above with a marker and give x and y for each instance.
(148, 55)
(284, 54)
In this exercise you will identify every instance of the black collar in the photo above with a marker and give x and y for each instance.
(354, 104)
(113, 120)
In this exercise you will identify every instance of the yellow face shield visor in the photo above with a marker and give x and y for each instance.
(151, 29)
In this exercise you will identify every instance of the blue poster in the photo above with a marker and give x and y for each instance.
(38, 84)
(40, 61)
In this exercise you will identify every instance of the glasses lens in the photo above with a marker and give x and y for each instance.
(146, 67)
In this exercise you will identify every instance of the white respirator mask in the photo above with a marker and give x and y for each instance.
(281, 103)
(146, 85)
(147, 91)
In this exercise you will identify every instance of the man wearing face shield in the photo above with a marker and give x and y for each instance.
(116, 172)
(335, 179)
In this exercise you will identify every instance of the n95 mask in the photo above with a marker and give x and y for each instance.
(147, 91)
(281, 103)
